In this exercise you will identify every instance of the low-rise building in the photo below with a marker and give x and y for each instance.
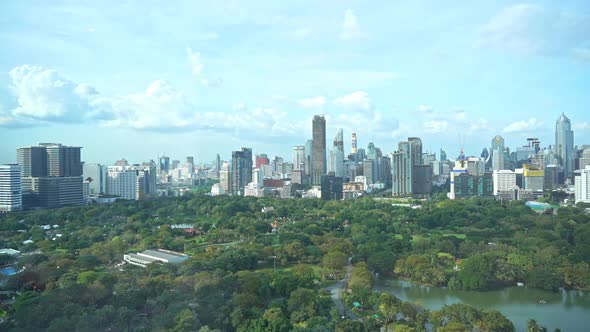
(150, 256)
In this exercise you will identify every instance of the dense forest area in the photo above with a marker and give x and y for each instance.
(276, 270)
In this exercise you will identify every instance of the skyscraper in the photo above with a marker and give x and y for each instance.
(564, 144)
(318, 166)
(336, 157)
(96, 175)
(51, 175)
(404, 178)
(241, 170)
(354, 143)
(218, 163)
(582, 185)
(498, 162)
(225, 179)
(11, 196)
(163, 164)
(298, 157)
(308, 159)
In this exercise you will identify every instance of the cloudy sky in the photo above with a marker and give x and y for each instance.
(138, 79)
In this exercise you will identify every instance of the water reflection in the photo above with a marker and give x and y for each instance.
(568, 310)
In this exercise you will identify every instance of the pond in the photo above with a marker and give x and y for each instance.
(567, 310)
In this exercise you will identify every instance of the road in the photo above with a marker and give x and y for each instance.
(338, 288)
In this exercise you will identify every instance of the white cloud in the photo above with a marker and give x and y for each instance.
(436, 126)
(350, 26)
(312, 102)
(159, 107)
(534, 29)
(43, 94)
(460, 115)
(194, 59)
(356, 101)
(523, 126)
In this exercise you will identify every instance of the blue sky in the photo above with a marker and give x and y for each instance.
(137, 79)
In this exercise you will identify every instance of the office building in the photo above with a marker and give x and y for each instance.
(163, 164)
(318, 150)
(241, 170)
(225, 179)
(299, 157)
(369, 171)
(131, 182)
(582, 185)
(308, 159)
(554, 177)
(95, 175)
(51, 175)
(11, 196)
(331, 187)
(498, 153)
(564, 144)
(262, 159)
(409, 154)
(533, 179)
(504, 180)
(354, 143)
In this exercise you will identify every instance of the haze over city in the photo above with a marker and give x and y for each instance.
(201, 78)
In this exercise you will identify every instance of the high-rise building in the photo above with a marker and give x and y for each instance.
(582, 185)
(51, 175)
(369, 171)
(443, 155)
(262, 159)
(299, 157)
(354, 143)
(53, 191)
(11, 196)
(163, 164)
(504, 180)
(96, 176)
(422, 180)
(318, 166)
(218, 163)
(131, 182)
(498, 153)
(225, 179)
(331, 187)
(308, 159)
(336, 156)
(403, 161)
(564, 144)
(241, 170)
(533, 179)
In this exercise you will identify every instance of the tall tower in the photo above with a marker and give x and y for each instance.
(354, 143)
(241, 170)
(318, 149)
(498, 162)
(564, 144)
(336, 157)
(10, 188)
(299, 157)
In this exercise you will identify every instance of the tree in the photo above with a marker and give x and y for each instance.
(185, 321)
(389, 305)
(334, 262)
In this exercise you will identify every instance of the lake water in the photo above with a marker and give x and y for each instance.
(567, 310)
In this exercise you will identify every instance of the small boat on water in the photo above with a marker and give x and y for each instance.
(541, 301)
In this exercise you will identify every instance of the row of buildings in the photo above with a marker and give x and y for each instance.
(51, 175)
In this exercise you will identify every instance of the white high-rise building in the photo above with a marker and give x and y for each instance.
(582, 185)
(224, 179)
(504, 180)
(11, 195)
(131, 182)
(299, 157)
(96, 176)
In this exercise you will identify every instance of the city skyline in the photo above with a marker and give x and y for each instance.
(171, 81)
